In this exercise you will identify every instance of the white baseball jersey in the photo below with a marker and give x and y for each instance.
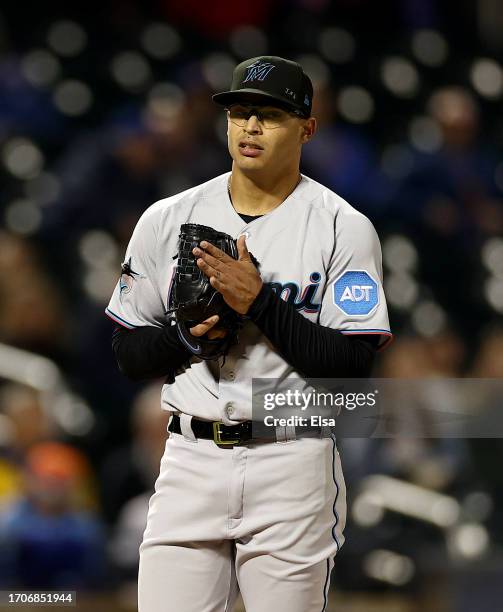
(317, 251)
(269, 517)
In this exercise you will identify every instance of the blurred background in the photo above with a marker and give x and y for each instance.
(103, 112)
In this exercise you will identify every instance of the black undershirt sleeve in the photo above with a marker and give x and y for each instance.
(149, 352)
(313, 350)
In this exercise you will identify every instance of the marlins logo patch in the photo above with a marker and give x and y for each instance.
(356, 293)
(128, 276)
(258, 71)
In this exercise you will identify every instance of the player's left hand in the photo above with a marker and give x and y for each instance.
(238, 280)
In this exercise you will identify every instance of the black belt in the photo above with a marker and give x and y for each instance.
(230, 435)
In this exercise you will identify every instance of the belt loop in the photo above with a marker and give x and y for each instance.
(285, 433)
(280, 433)
(185, 426)
(290, 433)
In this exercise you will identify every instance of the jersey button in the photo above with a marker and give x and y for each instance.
(231, 375)
(229, 408)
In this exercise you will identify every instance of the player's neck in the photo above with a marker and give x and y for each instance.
(260, 195)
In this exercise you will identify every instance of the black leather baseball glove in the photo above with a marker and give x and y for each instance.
(192, 299)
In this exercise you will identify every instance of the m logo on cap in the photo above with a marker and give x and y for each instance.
(258, 71)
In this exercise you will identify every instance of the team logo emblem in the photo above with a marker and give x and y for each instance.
(128, 276)
(258, 71)
(356, 293)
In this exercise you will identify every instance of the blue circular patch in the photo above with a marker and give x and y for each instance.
(356, 293)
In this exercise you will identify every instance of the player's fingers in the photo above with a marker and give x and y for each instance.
(201, 328)
(215, 251)
(213, 334)
(216, 283)
(206, 268)
(243, 252)
(209, 259)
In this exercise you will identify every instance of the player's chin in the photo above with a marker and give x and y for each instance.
(244, 161)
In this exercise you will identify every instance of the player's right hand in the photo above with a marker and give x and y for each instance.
(207, 327)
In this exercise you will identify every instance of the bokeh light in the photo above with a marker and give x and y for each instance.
(131, 70)
(99, 283)
(67, 38)
(98, 249)
(22, 158)
(217, 68)
(402, 290)
(469, 541)
(43, 189)
(337, 45)
(73, 97)
(355, 104)
(40, 67)
(23, 217)
(429, 47)
(388, 566)
(478, 506)
(492, 256)
(248, 41)
(165, 101)
(161, 41)
(399, 253)
(367, 510)
(487, 78)
(400, 76)
(493, 290)
(445, 512)
(428, 318)
(315, 68)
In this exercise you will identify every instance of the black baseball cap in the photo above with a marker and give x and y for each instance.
(269, 79)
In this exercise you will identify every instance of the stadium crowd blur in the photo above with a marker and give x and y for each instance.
(102, 115)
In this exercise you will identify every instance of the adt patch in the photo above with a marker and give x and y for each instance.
(356, 293)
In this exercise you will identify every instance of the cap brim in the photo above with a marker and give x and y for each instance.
(253, 96)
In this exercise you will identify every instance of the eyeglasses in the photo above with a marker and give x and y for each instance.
(269, 117)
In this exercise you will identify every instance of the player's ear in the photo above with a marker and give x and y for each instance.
(308, 130)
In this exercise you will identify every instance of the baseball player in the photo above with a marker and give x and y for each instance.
(229, 513)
